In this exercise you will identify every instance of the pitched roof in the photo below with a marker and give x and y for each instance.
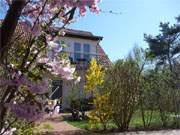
(79, 34)
(103, 58)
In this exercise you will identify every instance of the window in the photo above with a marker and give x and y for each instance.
(77, 51)
(86, 49)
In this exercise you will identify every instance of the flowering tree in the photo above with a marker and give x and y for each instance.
(28, 51)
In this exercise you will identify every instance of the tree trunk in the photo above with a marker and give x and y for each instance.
(6, 32)
(8, 26)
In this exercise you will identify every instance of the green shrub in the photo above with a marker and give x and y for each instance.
(123, 83)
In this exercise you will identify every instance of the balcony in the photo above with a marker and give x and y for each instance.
(82, 63)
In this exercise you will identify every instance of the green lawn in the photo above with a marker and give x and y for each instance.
(136, 122)
(80, 124)
(85, 124)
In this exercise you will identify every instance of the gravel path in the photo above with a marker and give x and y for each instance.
(62, 128)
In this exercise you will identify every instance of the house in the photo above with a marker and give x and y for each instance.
(82, 46)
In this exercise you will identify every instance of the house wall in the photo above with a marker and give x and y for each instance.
(67, 86)
(67, 90)
(69, 41)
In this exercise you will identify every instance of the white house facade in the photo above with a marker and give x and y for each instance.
(81, 46)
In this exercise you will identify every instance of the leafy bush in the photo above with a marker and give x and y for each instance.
(25, 128)
(102, 111)
(79, 107)
(79, 104)
(158, 95)
(122, 82)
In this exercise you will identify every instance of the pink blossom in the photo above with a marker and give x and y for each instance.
(36, 31)
(54, 46)
(12, 82)
(33, 8)
(82, 11)
(62, 33)
(40, 88)
(94, 8)
(43, 60)
(8, 132)
(58, 67)
(61, 68)
(35, 15)
(26, 111)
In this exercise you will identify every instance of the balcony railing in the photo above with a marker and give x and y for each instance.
(82, 55)
(83, 62)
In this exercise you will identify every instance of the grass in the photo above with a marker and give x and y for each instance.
(136, 122)
(80, 124)
(46, 126)
(85, 124)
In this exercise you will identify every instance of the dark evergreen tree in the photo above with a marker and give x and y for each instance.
(165, 47)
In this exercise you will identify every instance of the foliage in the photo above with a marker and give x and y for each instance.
(143, 60)
(23, 127)
(166, 46)
(94, 76)
(123, 84)
(101, 114)
(75, 94)
(164, 80)
(78, 103)
(159, 96)
(88, 126)
(136, 122)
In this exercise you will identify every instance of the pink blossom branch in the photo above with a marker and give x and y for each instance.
(39, 14)
(35, 56)
(9, 94)
(71, 12)
(9, 125)
(31, 41)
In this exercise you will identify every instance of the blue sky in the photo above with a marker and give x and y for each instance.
(121, 32)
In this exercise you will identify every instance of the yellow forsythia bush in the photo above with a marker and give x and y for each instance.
(94, 76)
(94, 83)
(102, 111)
